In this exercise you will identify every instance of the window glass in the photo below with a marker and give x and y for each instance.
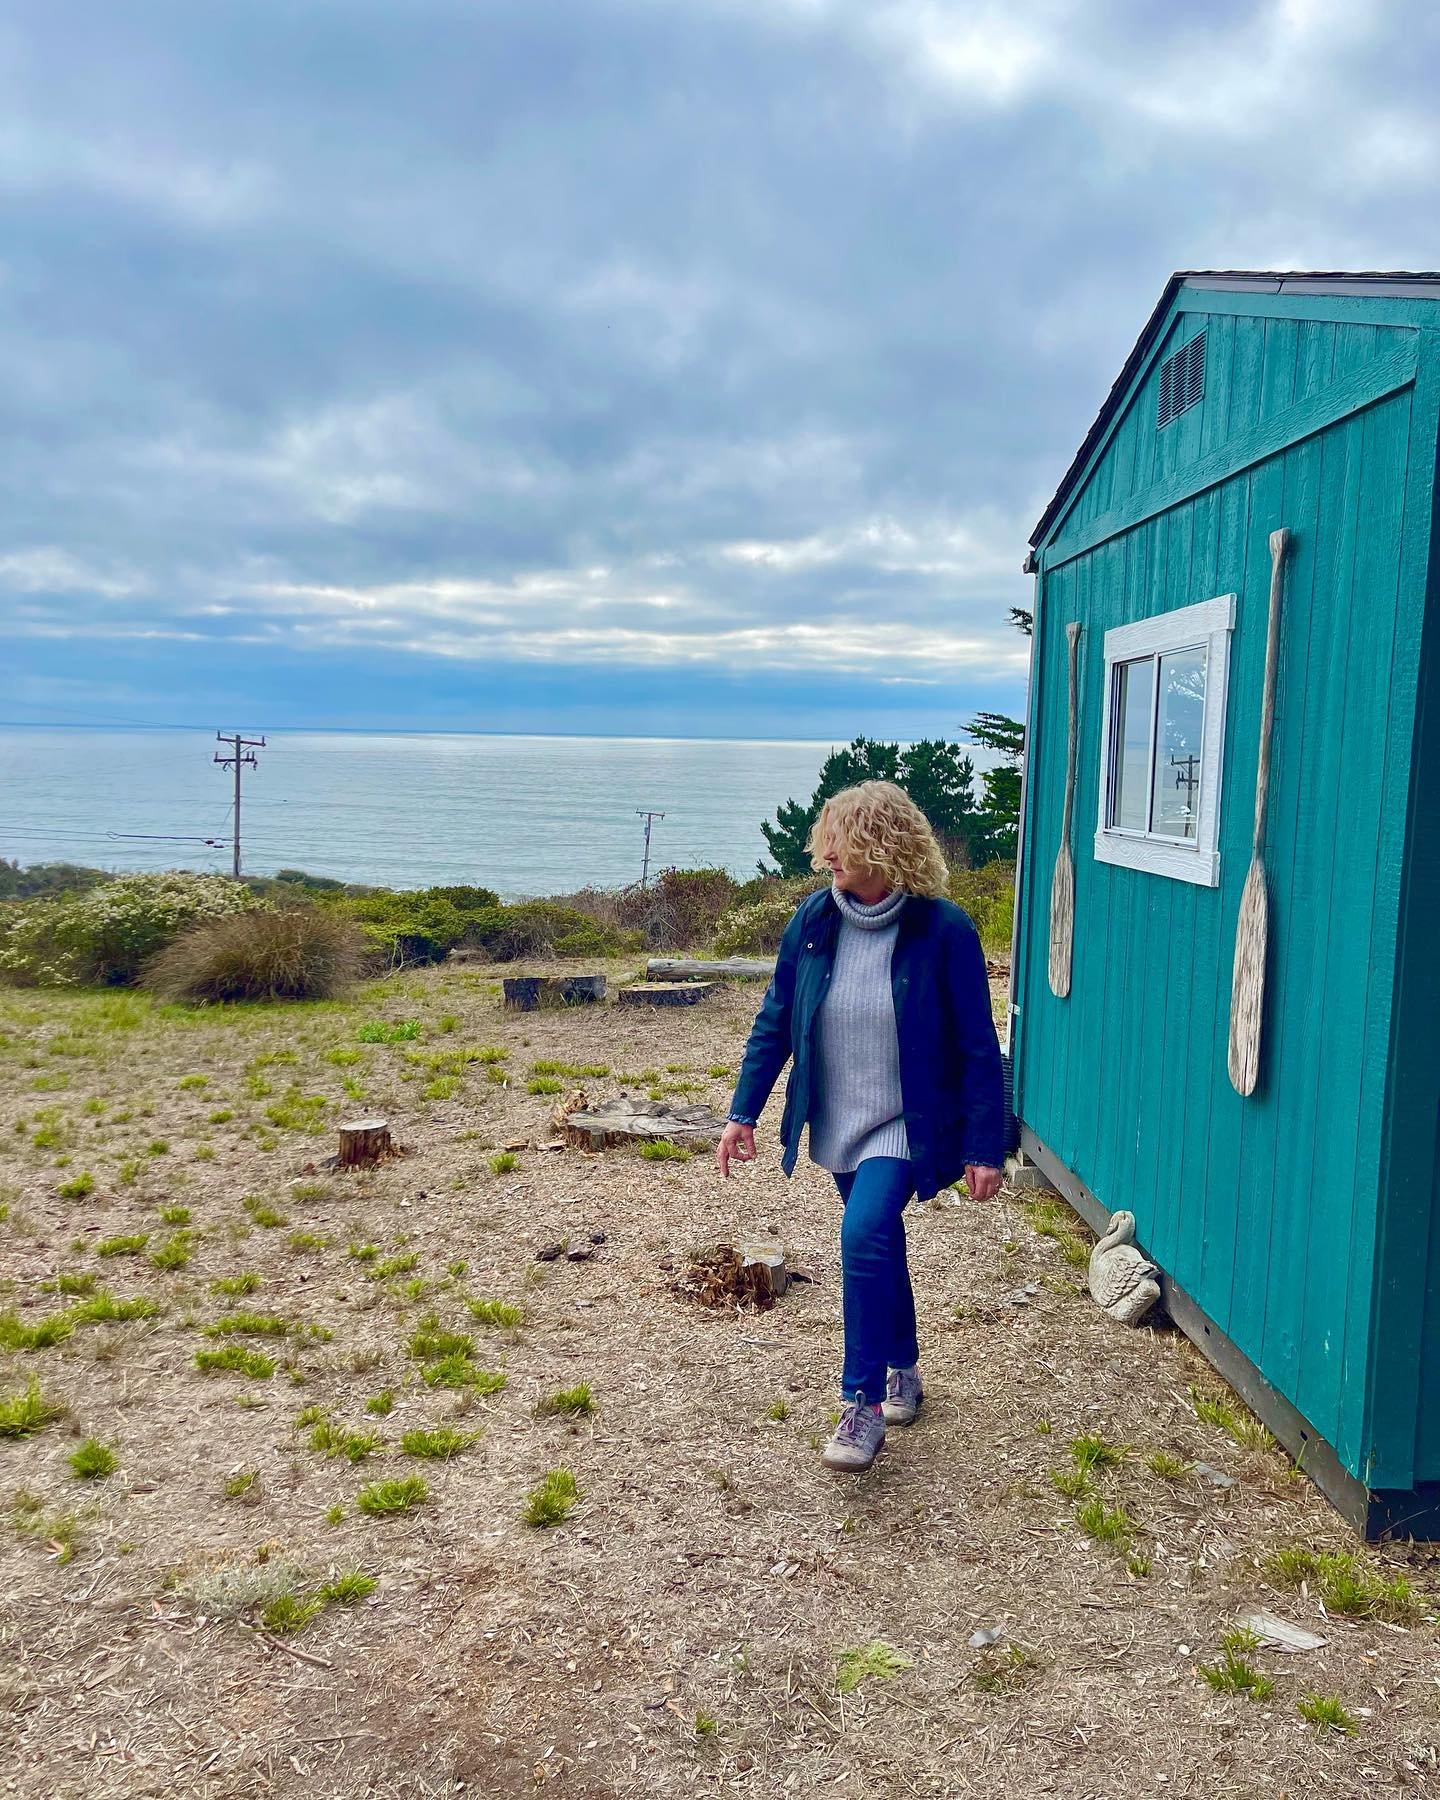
(1134, 715)
(1180, 727)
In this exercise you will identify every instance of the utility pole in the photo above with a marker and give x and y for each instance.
(241, 756)
(649, 818)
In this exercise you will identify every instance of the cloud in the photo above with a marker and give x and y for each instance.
(624, 337)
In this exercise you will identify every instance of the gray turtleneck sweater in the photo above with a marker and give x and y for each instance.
(858, 1111)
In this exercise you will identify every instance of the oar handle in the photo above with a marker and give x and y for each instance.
(1072, 632)
(1279, 544)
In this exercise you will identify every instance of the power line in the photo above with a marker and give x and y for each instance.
(241, 757)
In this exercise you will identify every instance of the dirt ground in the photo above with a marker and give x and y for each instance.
(682, 1631)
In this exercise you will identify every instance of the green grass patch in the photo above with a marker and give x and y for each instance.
(288, 1613)
(250, 1324)
(24, 1413)
(303, 1241)
(662, 1150)
(91, 1460)
(544, 1084)
(391, 1266)
(334, 1440)
(72, 1282)
(1106, 1524)
(104, 1309)
(348, 1588)
(43, 1334)
(442, 1441)
(551, 1500)
(295, 1111)
(1072, 1483)
(387, 1031)
(457, 1371)
(1326, 1711)
(431, 1339)
(379, 1499)
(132, 1244)
(174, 1215)
(504, 1162)
(1092, 1453)
(241, 1483)
(574, 1402)
(222, 1115)
(1052, 1219)
(503, 1314)
(1234, 1673)
(193, 1083)
(174, 1253)
(235, 1287)
(77, 1187)
(876, 1661)
(1345, 1584)
(261, 1211)
(235, 1359)
(381, 1403)
(1167, 1465)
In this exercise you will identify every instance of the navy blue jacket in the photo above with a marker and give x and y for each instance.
(951, 1083)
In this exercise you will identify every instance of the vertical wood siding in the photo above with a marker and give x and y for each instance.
(1264, 1210)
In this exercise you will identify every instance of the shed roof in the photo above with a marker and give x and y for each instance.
(1393, 284)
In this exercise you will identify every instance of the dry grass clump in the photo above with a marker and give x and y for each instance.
(224, 1590)
(300, 953)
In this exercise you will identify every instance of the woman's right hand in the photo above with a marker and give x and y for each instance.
(737, 1144)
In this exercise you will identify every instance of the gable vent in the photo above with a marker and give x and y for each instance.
(1182, 380)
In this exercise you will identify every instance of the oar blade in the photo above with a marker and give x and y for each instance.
(1247, 989)
(1062, 923)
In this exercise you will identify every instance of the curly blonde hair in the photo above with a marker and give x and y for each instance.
(877, 827)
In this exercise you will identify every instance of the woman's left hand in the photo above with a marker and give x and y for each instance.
(982, 1181)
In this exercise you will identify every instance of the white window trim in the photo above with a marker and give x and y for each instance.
(1208, 623)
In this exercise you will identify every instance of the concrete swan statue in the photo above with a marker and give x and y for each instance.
(1123, 1283)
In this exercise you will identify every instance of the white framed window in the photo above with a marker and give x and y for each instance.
(1162, 737)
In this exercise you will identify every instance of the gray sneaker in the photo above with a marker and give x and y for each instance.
(903, 1395)
(858, 1439)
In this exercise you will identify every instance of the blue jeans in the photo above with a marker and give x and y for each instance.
(875, 1293)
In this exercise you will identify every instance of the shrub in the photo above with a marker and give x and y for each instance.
(677, 909)
(755, 927)
(299, 953)
(107, 935)
(421, 926)
(988, 895)
(539, 928)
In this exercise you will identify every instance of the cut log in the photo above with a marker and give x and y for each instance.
(528, 993)
(622, 1121)
(689, 968)
(664, 993)
(363, 1143)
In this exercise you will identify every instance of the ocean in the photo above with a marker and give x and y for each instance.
(522, 815)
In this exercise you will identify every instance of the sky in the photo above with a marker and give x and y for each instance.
(627, 366)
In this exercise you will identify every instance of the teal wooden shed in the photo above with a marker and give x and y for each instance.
(1268, 452)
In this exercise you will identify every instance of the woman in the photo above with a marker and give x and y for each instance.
(880, 996)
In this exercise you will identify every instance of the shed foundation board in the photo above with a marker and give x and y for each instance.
(1375, 1512)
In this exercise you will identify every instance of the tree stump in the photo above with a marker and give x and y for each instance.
(363, 1143)
(665, 993)
(582, 990)
(525, 993)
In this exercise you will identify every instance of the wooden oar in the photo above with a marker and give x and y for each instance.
(1252, 929)
(1062, 883)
